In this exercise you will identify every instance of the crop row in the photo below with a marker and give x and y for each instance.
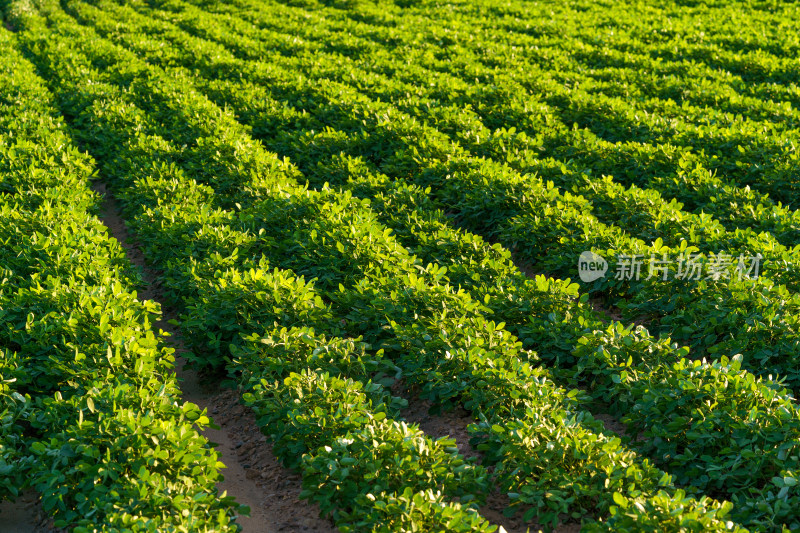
(664, 398)
(403, 449)
(89, 405)
(768, 331)
(544, 101)
(636, 211)
(324, 276)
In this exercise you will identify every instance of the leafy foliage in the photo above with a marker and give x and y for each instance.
(423, 154)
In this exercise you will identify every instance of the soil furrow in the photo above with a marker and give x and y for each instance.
(26, 515)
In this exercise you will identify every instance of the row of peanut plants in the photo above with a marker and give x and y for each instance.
(322, 275)
(90, 409)
(676, 305)
(356, 410)
(652, 147)
(266, 207)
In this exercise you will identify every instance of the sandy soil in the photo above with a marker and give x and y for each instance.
(524, 266)
(279, 488)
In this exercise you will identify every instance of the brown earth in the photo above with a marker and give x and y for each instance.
(611, 423)
(25, 515)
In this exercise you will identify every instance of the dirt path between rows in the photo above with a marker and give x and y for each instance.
(26, 515)
(253, 476)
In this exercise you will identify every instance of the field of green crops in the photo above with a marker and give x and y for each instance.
(355, 204)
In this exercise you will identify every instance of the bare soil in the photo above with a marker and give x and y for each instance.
(253, 475)
(524, 266)
(25, 515)
(279, 488)
(611, 423)
(607, 314)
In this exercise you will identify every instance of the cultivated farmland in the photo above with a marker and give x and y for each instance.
(433, 266)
